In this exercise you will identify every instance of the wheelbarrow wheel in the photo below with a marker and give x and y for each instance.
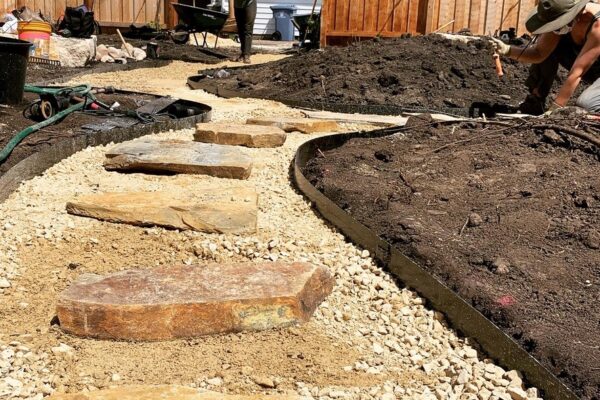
(181, 35)
(276, 36)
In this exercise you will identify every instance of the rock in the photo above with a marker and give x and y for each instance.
(211, 210)
(163, 392)
(290, 124)
(264, 381)
(240, 135)
(4, 283)
(179, 156)
(500, 266)
(377, 349)
(552, 137)
(516, 393)
(475, 220)
(591, 239)
(215, 381)
(189, 301)
(72, 52)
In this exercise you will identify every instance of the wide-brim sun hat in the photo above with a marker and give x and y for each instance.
(552, 15)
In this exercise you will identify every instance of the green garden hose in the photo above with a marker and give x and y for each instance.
(84, 91)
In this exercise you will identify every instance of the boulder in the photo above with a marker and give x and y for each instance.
(72, 52)
(187, 301)
(240, 135)
(230, 211)
(291, 124)
(163, 392)
(179, 156)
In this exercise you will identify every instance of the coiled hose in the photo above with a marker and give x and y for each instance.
(84, 91)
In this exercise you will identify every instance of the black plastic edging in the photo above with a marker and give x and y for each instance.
(40, 161)
(461, 315)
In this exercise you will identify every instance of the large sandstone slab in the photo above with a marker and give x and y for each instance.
(189, 301)
(292, 124)
(240, 135)
(162, 392)
(210, 210)
(179, 156)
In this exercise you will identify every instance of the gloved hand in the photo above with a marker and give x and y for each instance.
(499, 46)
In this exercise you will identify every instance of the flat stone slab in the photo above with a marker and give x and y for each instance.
(190, 301)
(179, 156)
(240, 135)
(162, 392)
(210, 210)
(291, 124)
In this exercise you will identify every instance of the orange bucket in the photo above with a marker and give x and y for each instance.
(38, 33)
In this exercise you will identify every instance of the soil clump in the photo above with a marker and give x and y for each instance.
(423, 72)
(507, 216)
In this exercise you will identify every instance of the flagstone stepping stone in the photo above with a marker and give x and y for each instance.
(291, 124)
(163, 392)
(209, 210)
(240, 135)
(179, 156)
(188, 301)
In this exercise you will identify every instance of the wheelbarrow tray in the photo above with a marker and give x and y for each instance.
(201, 19)
(300, 21)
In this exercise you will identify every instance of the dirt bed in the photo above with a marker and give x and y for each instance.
(508, 217)
(13, 121)
(428, 72)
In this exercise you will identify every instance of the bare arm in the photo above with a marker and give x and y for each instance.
(588, 56)
(538, 52)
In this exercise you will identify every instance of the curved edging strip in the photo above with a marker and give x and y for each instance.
(461, 315)
(38, 162)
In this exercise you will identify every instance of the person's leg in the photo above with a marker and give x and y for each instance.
(541, 76)
(250, 17)
(240, 21)
(590, 98)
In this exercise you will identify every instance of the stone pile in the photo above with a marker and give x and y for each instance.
(111, 54)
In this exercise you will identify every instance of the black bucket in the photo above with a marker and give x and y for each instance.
(13, 68)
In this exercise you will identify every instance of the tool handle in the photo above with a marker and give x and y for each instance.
(499, 70)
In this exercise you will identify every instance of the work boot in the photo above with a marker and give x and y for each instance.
(533, 105)
(246, 60)
(239, 58)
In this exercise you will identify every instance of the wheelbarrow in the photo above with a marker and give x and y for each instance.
(309, 27)
(198, 20)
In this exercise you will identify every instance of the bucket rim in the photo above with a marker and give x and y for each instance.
(5, 41)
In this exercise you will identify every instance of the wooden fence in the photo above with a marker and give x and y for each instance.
(347, 20)
(107, 12)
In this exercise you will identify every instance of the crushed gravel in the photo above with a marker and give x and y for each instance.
(371, 339)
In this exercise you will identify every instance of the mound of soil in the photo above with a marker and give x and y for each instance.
(507, 216)
(423, 72)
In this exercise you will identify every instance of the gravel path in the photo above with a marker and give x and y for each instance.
(372, 339)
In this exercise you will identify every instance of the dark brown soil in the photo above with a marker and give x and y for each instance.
(13, 121)
(424, 72)
(509, 218)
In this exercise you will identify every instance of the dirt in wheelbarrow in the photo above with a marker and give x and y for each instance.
(506, 216)
(13, 120)
(424, 72)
